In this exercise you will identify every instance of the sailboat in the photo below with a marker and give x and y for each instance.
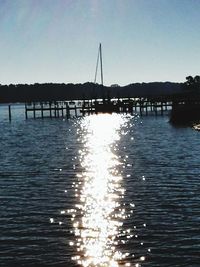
(106, 106)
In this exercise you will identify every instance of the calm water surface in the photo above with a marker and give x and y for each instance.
(105, 190)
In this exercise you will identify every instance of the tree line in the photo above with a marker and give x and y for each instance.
(61, 91)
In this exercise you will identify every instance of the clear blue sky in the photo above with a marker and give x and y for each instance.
(57, 40)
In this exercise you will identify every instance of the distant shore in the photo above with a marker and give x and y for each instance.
(60, 91)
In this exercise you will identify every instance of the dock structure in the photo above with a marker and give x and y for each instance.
(143, 105)
(79, 108)
(54, 109)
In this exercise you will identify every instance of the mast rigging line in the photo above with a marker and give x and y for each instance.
(99, 57)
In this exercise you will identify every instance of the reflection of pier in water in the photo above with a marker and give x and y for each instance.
(69, 109)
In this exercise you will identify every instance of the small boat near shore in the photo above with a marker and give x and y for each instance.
(196, 127)
(106, 107)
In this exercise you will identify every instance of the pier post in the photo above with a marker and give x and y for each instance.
(9, 112)
(42, 112)
(155, 109)
(135, 105)
(161, 108)
(83, 108)
(140, 110)
(146, 108)
(26, 113)
(58, 112)
(50, 110)
(62, 108)
(75, 111)
(67, 111)
(130, 107)
(55, 115)
(90, 108)
(140, 106)
(34, 110)
(151, 103)
(66, 108)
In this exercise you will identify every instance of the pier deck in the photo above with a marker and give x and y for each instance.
(69, 109)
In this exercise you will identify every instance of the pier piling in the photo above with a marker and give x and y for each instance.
(9, 112)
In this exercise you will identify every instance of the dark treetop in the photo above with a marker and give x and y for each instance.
(60, 91)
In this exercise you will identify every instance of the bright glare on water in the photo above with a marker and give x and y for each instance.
(100, 193)
(105, 190)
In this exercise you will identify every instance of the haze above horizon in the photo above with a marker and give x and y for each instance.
(57, 41)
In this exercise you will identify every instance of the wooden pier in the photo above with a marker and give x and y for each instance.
(147, 105)
(78, 108)
(47, 109)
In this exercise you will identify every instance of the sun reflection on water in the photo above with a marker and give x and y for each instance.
(101, 214)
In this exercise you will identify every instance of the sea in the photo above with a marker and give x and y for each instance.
(106, 190)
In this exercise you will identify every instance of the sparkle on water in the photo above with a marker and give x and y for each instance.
(98, 226)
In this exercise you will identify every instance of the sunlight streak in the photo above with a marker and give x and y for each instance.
(98, 228)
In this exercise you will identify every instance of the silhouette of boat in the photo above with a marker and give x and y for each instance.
(106, 105)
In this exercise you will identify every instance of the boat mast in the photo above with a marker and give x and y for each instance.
(99, 57)
(100, 51)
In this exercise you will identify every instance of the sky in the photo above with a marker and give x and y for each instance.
(57, 40)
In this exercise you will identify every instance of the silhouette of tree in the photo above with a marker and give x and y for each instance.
(193, 84)
(61, 91)
(197, 79)
(189, 80)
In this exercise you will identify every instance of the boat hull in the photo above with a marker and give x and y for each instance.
(106, 108)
